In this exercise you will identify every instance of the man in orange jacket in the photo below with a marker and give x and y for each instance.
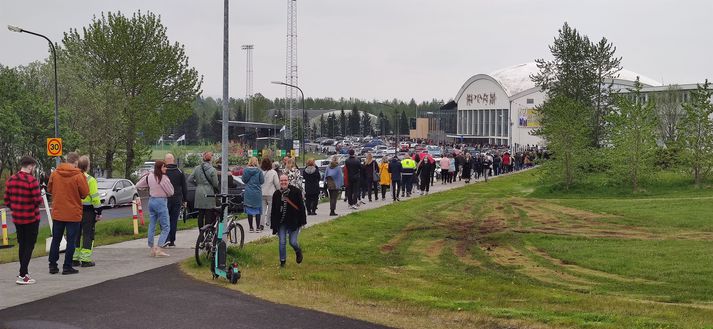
(68, 187)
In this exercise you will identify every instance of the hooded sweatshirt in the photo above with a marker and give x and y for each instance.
(312, 178)
(68, 187)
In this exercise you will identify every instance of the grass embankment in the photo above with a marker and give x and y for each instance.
(492, 256)
(107, 232)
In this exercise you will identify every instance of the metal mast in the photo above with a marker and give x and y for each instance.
(291, 63)
(249, 83)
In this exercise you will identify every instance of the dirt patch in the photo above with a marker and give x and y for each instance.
(462, 251)
(510, 257)
(434, 250)
(391, 245)
(586, 271)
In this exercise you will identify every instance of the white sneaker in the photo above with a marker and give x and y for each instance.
(354, 207)
(25, 280)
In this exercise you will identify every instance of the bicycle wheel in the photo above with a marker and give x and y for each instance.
(236, 234)
(204, 247)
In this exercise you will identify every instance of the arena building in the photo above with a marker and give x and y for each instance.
(499, 108)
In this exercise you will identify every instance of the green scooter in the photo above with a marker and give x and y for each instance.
(219, 268)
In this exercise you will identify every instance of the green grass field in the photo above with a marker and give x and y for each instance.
(495, 256)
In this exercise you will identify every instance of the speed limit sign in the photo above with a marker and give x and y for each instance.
(54, 147)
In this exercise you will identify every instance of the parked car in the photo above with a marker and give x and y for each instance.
(235, 187)
(114, 192)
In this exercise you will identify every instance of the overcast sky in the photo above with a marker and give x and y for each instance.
(385, 49)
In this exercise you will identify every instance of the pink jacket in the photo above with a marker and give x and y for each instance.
(445, 163)
(163, 189)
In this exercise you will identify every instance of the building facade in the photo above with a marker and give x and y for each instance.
(500, 108)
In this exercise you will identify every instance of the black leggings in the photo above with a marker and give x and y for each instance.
(257, 221)
(205, 216)
(311, 202)
(26, 238)
(383, 191)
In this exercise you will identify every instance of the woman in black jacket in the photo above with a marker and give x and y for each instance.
(370, 177)
(312, 177)
(287, 217)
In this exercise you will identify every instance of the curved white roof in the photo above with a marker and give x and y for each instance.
(516, 79)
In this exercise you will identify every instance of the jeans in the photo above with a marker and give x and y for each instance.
(174, 210)
(267, 204)
(158, 212)
(58, 229)
(282, 234)
(353, 191)
(395, 189)
(26, 239)
(408, 184)
(333, 197)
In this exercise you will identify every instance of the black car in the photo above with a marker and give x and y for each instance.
(234, 187)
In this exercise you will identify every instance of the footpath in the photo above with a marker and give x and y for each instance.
(132, 257)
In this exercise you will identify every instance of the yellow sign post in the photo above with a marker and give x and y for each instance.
(54, 147)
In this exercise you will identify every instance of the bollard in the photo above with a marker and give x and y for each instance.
(135, 218)
(5, 242)
(141, 211)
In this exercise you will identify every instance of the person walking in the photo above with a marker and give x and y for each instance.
(334, 181)
(445, 169)
(460, 158)
(91, 214)
(177, 200)
(23, 198)
(205, 178)
(467, 166)
(422, 172)
(395, 170)
(370, 174)
(384, 176)
(68, 187)
(288, 217)
(409, 168)
(271, 184)
(253, 179)
(294, 174)
(160, 189)
(312, 178)
(353, 168)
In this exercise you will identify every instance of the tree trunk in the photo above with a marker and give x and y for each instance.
(129, 159)
(108, 163)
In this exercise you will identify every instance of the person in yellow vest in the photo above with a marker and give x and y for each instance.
(91, 213)
(409, 168)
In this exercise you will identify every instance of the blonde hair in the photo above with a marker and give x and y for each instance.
(83, 163)
(290, 163)
(252, 162)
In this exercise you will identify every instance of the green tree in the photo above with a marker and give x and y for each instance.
(561, 125)
(632, 133)
(331, 125)
(670, 113)
(366, 124)
(322, 126)
(606, 67)
(403, 123)
(135, 55)
(696, 133)
(354, 121)
(342, 123)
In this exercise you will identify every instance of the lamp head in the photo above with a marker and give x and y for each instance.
(277, 82)
(14, 28)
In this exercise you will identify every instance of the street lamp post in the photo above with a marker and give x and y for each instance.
(302, 140)
(56, 93)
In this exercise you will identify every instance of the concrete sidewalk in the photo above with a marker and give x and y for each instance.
(132, 257)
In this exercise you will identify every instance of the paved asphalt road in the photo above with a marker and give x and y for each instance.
(107, 214)
(137, 301)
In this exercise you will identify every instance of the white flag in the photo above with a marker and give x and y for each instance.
(282, 129)
(182, 138)
(160, 140)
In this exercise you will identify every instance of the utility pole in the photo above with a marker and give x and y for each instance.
(224, 140)
(249, 83)
(291, 61)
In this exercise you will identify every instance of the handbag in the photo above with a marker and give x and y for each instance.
(376, 176)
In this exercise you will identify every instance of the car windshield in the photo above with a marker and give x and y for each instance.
(104, 185)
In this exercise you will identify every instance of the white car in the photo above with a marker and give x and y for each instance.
(114, 192)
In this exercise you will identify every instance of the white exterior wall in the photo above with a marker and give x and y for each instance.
(522, 135)
(479, 111)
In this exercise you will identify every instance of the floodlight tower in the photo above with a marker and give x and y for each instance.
(291, 63)
(249, 83)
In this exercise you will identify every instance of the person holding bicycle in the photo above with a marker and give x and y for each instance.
(288, 216)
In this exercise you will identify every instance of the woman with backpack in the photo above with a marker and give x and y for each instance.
(160, 189)
(333, 180)
(312, 178)
(205, 178)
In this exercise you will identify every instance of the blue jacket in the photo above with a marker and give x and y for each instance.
(395, 169)
(253, 179)
(336, 174)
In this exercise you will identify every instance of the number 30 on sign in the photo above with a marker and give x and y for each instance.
(54, 147)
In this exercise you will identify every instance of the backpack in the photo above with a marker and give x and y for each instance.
(331, 185)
